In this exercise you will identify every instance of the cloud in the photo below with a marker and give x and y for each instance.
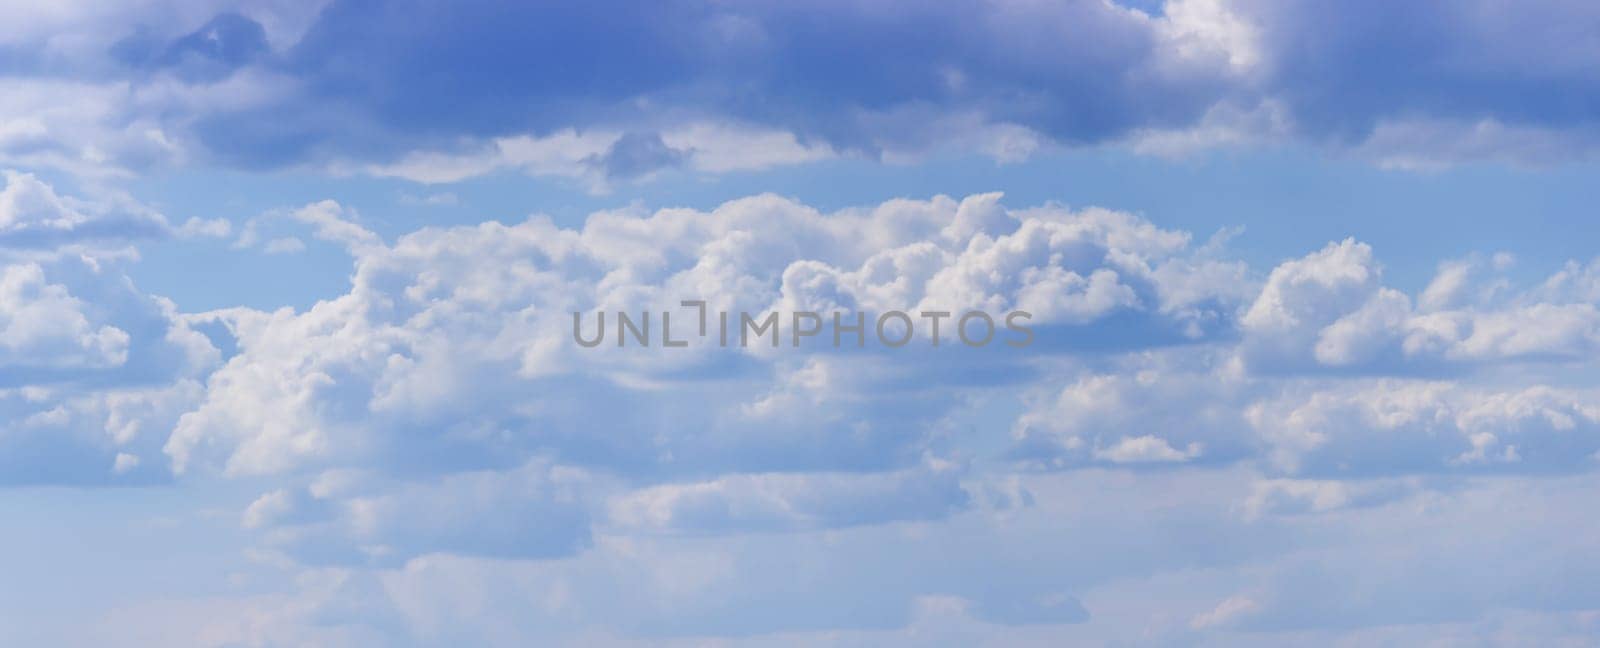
(38, 222)
(562, 153)
(1311, 497)
(212, 52)
(534, 511)
(1180, 406)
(197, 228)
(1380, 71)
(1226, 612)
(92, 371)
(1146, 449)
(93, 375)
(33, 216)
(271, 85)
(1191, 432)
(285, 245)
(719, 148)
(790, 502)
(1146, 413)
(440, 383)
(1392, 428)
(598, 158)
(1330, 311)
(329, 221)
(1157, 550)
(42, 325)
(453, 326)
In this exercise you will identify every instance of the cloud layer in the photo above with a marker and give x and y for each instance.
(1231, 437)
(614, 92)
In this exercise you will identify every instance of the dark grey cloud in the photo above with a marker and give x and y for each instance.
(371, 80)
(222, 45)
(1344, 66)
(378, 77)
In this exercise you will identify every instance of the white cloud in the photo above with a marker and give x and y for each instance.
(1389, 427)
(1165, 409)
(1330, 309)
(94, 371)
(34, 217)
(213, 228)
(43, 325)
(433, 433)
(718, 148)
(1197, 29)
(285, 245)
(1436, 144)
(1447, 287)
(790, 502)
(124, 462)
(1226, 612)
(335, 223)
(1311, 496)
(1146, 449)
(450, 321)
(559, 154)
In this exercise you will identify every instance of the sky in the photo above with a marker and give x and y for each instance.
(287, 292)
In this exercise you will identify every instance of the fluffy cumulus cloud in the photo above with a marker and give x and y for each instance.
(437, 432)
(1184, 427)
(458, 326)
(93, 372)
(616, 92)
(1330, 309)
(45, 325)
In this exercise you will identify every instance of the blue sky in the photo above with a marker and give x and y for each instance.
(286, 287)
